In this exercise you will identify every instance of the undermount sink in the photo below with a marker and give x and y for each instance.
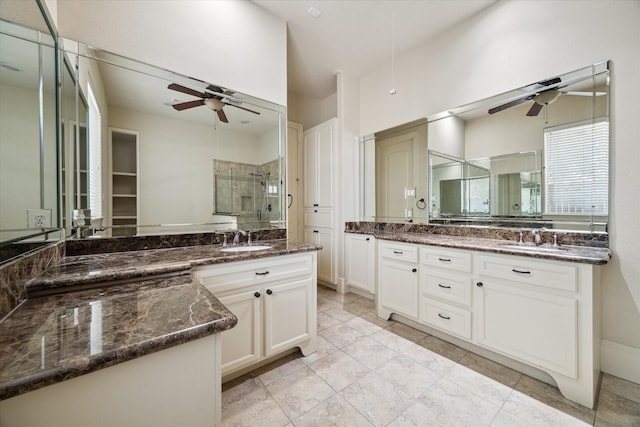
(533, 248)
(248, 248)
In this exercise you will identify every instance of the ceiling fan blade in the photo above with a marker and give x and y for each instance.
(242, 108)
(550, 81)
(511, 104)
(222, 116)
(534, 110)
(583, 93)
(188, 91)
(189, 104)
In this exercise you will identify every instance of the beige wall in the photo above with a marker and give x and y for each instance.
(514, 43)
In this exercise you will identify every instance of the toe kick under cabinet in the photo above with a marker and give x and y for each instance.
(540, 312)
(275, 301)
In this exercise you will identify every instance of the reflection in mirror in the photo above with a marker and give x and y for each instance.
(28, 134)
(530, 119)
(179, 154)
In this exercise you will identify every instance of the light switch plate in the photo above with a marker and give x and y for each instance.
(38, 218)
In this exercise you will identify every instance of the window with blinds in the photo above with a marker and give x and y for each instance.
(95, 156)
(577, 168)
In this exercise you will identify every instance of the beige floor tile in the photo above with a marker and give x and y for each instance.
(429, 359)
(249, 404)
(281, 368)
(340, 314)
(369, 352)
(407, 375)
(407, 332)
(325, 304)
(619, 410)
(372, 317)
(551, 396)
(341, 335)
(333, 412)
(323, 349)
(491, 369)
(362, 325)
(443, 348)
(325, 321)
(299, 392)
(339, 370)
(475, 382)
(376, 398)
(621, 387)
(391, 340)
(506, 419)
(536, 413)
(448, 404)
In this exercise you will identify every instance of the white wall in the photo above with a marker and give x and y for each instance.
(310, 112)
(514, 43)
(235, 44)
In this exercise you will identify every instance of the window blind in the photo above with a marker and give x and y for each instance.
(577, 168)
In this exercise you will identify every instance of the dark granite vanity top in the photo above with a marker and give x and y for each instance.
(573, 253)
(144, 300)
(51, 339)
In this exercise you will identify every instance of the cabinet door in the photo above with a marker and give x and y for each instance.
(324, 238)
(310, 168)
(241, 345)
(324, 169)
(360, 250)
(398, 287)
(536, 327)
(288, 319)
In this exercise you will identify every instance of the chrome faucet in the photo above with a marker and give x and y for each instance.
(236, 238)
(249, 242)
(537, 240)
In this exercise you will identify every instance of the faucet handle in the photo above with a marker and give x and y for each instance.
(248, 237)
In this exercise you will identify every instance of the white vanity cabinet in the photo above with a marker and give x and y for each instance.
(397, 279)
(360, 250)
(445, 290)
(275, 301)
(544, 313)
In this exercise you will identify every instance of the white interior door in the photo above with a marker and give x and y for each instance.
(294, 182)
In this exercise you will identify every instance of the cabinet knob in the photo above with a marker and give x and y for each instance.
(269, 291)
(315, 210)
(367, 239)
(257, 295)
(413, 270)
(479, 284)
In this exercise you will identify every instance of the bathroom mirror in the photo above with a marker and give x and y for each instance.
(28, 134)
(166, 169)
(562, 120)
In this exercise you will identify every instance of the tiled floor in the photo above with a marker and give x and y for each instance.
(370, 372)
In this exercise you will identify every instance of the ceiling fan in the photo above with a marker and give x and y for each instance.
(541, 97)
(212, 101)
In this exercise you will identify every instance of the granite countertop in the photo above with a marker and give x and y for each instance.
(581, 254)
(51, 339)
(145, 301)
(83, 270)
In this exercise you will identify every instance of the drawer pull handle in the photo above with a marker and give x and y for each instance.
(269, 291)
(444, 286)
(262, 274)
(315, 231)
(444, 317)
(398, 252)
(257, 295)
(315, 204)
(413, 270)
(444, 259)
(520, 271)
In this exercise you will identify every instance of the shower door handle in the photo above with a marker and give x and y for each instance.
(290, 197)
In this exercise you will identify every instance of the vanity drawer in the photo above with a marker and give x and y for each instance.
(318, 217)
(548, 274)
(235, 275)
(399, 251)
(446, 258)
(447, 285)
(446, 317)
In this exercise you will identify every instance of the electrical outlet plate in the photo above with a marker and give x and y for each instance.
(38, 218)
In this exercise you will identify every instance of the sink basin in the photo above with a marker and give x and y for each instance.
(533, 248)
(246, 248)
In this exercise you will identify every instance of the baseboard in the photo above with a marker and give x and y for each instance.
(620, 360)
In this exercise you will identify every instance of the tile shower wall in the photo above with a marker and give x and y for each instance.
(249, 191)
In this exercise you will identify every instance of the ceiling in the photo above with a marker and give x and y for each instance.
(356, 36)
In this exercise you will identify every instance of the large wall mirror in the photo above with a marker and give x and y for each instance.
(536, 156)
(174, 154)
(29, 214)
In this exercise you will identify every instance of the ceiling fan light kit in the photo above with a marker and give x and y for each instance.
(214, 97)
